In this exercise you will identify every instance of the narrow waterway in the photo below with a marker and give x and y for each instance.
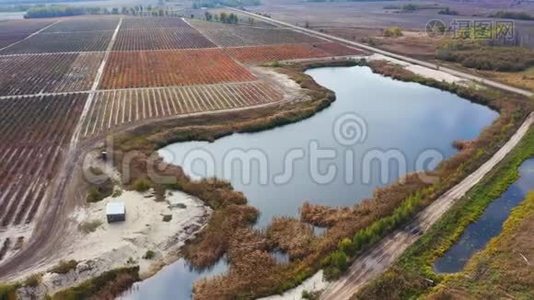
(489, 225)
(377, 130)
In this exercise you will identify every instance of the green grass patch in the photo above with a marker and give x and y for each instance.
(106, 286)
(8, 291)
(412, 275)
(64, 267)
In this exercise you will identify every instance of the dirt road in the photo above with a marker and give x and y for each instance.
(389, 54)
(379, 258)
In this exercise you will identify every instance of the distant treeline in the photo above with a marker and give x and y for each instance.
(61, 11)
(222, 17)
(231, 3)
(512, 15)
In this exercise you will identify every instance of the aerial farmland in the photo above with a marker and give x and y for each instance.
(250, 157)
(70, 79)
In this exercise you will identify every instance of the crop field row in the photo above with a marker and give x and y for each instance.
(152, 22)
(15, 30)
(91, 23)
(114, 108)
(34, 132)
(171, 68)
(62, 42)
(34, 74)
(160, 38)
(240, 35)
(261, 54)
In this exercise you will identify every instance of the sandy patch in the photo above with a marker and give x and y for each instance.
(421, 70)
(313, 284)
(116, 245)
(291, 90)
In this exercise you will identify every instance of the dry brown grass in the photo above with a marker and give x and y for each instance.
(523, 79)
(291, 236)
(253, 271)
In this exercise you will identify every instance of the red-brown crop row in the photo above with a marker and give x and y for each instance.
(161, 38)
(115, 108)
(62, 42)
(34, 131)
(33, 74)
(171, 68)
(242, 35)
(262, 54)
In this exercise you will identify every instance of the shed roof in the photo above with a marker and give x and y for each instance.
(115, 208)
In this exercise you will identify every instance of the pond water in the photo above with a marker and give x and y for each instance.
(489, 225)
(377, 130)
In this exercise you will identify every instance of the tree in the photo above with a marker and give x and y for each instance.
(208, 16)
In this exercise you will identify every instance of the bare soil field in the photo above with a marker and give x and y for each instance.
(34, 74)
(375, 15)
(34, 132)
(171, 68)
(241, 35)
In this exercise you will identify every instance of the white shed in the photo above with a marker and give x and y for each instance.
(116, 212)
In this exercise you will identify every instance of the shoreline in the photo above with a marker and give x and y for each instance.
(306, 111)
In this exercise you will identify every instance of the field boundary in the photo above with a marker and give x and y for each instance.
(393, 55)
(31, 35)
(96, 83)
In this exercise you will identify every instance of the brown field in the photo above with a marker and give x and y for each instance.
(262, 54)
(115, 108)
(242, 35)
(34, 74)
(171, 68)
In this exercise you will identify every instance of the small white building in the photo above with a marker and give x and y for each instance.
(116, 212)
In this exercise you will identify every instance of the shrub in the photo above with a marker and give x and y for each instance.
(89, 226)
(149, 254)
(141, 185)
(106, 286)
(393, 32)
(100, 191)
(64, 267)
(167, 218)
(335, 264)
(33, 280)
